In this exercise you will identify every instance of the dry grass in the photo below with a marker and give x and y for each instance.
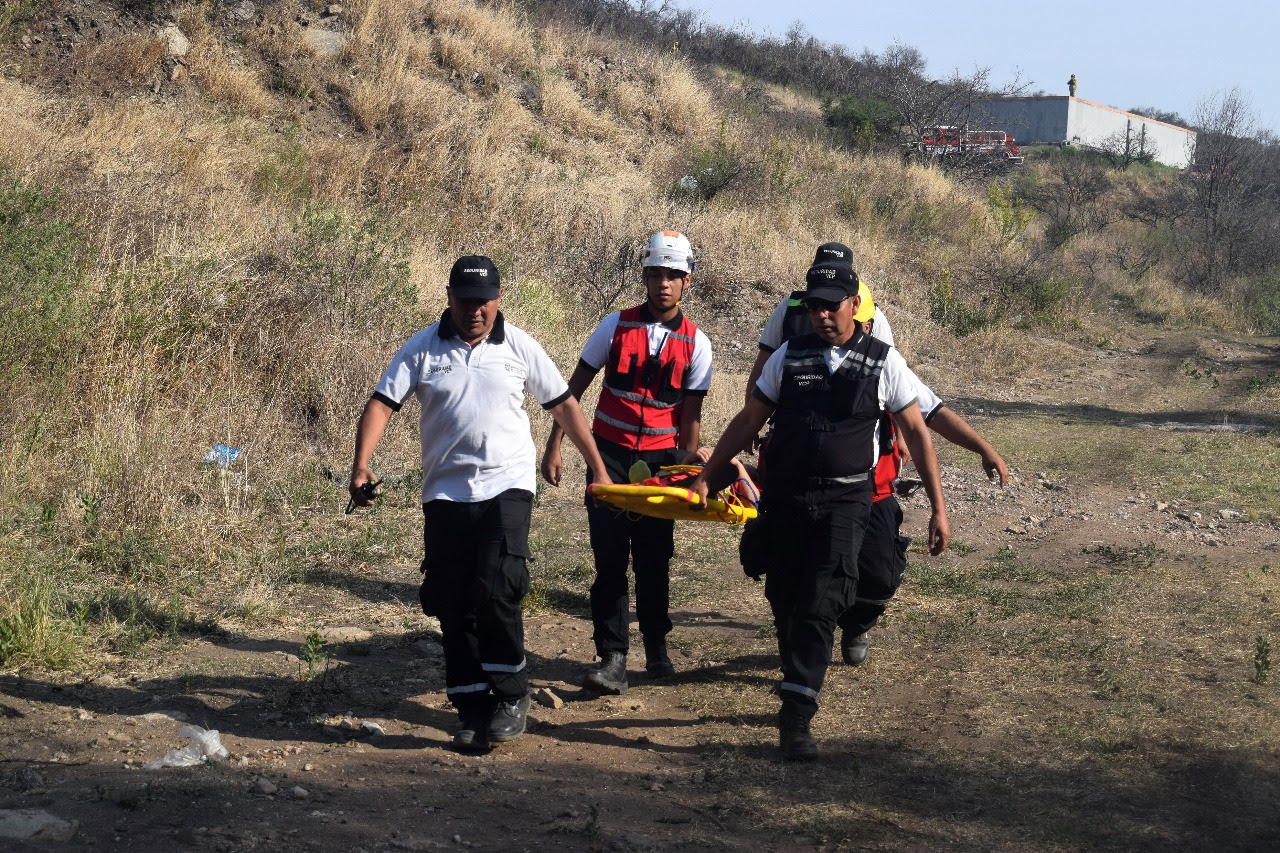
(463, 130)
(127, 63)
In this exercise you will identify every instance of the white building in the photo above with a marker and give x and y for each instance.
(1062, 119)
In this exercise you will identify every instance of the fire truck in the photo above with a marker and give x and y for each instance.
(949, 140)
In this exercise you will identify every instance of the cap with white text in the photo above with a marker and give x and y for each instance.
(832, 282)
(833, 253)
(474, 277)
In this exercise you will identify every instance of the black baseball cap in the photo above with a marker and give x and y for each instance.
(833, 253)
(474, 277)
(830, 281)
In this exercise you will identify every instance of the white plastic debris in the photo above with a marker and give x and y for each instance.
(205, 744)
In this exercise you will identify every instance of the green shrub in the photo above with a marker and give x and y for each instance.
(1009, 211)
(948, 310)
(36, 624)
(863, 122)
(284, 174)
(1262, 304)
(353, 271)
(713, 169)
(43, 259)
(13, 15)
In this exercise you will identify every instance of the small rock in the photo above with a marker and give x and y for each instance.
(325, 44)
(242, 12)
(1228, 514)
(635, 841)
(333, 9)
(373, 728)
(177, 41)
(547, 698)
(82, 714)
(308, 767)
(428, 648)
(299, 793)
(165, 717)
(1160, 506)
(345, 635)
(265, 786)
(35, 825)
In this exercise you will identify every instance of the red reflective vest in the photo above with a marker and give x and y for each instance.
(640, 398)
(889, 465)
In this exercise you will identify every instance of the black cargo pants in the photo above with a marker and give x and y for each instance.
(474, 578)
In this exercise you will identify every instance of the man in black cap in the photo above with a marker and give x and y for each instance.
(826, 390)
(883, 558)
(470, 372)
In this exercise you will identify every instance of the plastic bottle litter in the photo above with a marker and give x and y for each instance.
(221, 455)
(205, 744)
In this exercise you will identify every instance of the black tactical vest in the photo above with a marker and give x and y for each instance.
(795, 322)
(824, 430)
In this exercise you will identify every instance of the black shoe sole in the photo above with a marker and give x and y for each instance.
(506, 737)
(800, 755)
(609, 688)
(475, 742)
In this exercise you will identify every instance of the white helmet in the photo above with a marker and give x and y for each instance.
(669, 249)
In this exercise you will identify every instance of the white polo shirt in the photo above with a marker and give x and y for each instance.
(771, 339)
(897, 388)
(475, 433)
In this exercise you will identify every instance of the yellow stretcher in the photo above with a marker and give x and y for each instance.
(679, 504)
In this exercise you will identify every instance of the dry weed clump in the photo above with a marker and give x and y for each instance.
(380, 28)
(125, 63)
(34, 123)
(566, 111)
(226, 77)
(493, 31)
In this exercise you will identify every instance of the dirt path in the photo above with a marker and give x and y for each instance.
(1074, 675)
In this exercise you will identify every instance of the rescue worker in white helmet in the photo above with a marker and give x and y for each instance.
(657, 370)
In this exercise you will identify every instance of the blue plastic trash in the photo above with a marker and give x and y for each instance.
(222, 455)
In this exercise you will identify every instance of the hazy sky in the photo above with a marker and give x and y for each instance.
(1170, 55)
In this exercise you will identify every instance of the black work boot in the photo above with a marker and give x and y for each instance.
(610, 677)
(471, 737)
(855, 647)
(656, 663)
(795, 739)
(508, 721)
